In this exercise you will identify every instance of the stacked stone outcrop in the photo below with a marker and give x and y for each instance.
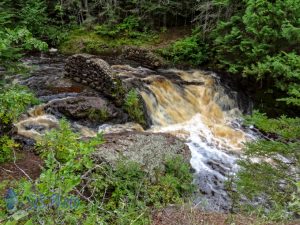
(96, 73)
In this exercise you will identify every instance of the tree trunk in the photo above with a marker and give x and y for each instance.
(86, 9)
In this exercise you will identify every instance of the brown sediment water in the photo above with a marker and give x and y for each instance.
(172, 106)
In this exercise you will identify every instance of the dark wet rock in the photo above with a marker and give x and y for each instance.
(90, 108)
(27, 143)
(143, 56)
(214, 196)
(148, 149)
(47, 79)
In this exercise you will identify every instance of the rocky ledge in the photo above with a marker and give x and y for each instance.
(149, 149)
(95, 109)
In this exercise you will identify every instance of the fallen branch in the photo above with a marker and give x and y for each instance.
(15, 159)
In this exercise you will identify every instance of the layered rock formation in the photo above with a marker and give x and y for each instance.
(96, 73)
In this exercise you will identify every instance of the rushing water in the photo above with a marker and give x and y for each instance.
(193, 107)
(201, 113)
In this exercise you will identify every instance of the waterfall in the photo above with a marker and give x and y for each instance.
(199, 111)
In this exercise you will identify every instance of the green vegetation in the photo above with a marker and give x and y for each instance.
(267, 44)
(273, 175)
(13, 101)
(6, 146)
(100, 115)
(123, 194)
(91, 41)
(129, 194)
(133, 107)
(188, 50)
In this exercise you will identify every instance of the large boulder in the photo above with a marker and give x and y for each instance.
(95, 109)
(149, 149)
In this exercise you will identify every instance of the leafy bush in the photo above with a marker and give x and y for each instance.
(272, 176)
(6, 146)
(187, 50)
(128, 192)
(132, 105)
(33, 16)
(294, 206)
(14, 35)
(128, 27)
(55, 35)
(13, 102)
(13, 41)
(64, 145)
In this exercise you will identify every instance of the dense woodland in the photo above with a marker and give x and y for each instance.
(255, 42)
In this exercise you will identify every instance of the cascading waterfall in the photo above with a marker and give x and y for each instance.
(200, 112)
(169, 105)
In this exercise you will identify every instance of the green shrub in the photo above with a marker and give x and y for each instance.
(33, 16)
(15, 40)
(64, 145)
(100, 115)
(294, 206)
(55, 35)
(6, 146)
(13, 102)
(188, 50)
(133, 107)
(129, 193)
(128, 28)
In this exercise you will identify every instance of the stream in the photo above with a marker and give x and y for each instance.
(192, 105)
